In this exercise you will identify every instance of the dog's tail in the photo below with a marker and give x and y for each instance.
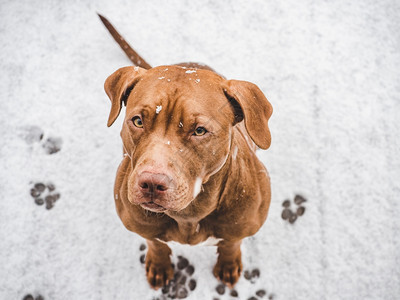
(132, 54)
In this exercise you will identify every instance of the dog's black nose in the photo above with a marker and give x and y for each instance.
(153, 183)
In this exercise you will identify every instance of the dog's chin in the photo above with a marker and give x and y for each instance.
(153, 207)
(149, 203)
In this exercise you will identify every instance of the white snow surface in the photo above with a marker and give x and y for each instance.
(330, 70)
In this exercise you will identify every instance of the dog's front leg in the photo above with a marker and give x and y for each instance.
(159, 269)
(229, 264)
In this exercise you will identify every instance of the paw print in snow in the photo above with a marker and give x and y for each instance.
(182, 283)
(30, 297)
(252, 276)
(143, 256)
(288, 214)
(52, 145)
(44, 193)
(34, 134)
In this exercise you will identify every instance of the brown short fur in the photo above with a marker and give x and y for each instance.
(174, 185)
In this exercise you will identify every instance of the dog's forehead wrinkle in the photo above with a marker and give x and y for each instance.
(180, 101)
(175, 115)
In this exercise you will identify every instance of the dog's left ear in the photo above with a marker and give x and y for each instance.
(118, 86)
(250, 103)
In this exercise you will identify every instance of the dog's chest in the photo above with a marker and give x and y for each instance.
(210, 241)
(192, 234)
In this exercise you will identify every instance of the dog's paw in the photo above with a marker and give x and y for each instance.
(228, 271)
(288, 214)
(158, 273)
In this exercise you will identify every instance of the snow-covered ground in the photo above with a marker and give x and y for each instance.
(330, 70)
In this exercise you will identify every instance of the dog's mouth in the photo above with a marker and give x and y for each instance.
(154, 207)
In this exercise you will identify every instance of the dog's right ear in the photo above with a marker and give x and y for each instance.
(118, 86)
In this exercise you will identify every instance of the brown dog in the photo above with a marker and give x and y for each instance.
(190, 173)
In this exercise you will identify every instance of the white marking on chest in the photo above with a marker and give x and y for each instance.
(197, 187)
(158, 109)
(235, 151)
(210, 241)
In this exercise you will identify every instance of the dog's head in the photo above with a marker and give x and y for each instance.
(178, 128)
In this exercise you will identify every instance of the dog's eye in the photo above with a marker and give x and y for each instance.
(137, 121)
(200, 131)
